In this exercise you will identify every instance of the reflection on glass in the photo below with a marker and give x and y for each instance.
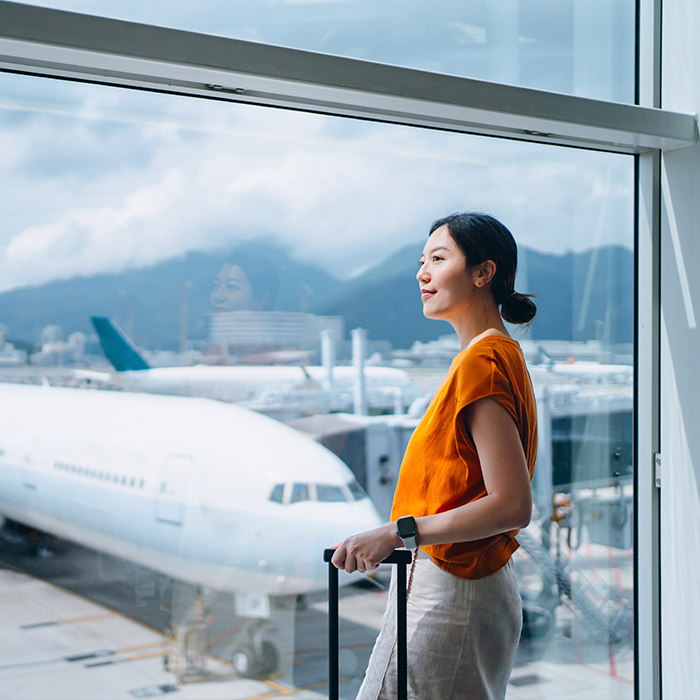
(190, 272)
(580, 47)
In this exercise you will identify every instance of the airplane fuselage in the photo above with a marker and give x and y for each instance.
(177, 484)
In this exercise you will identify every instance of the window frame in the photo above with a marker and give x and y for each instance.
(64, 45)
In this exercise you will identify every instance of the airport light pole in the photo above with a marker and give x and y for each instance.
(359, 354)
(184, 286)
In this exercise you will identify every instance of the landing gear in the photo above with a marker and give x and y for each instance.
(269, 657)
(245, 662)
(250, 662)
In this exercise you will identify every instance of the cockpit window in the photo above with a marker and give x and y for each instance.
(321, 493)
(300, 492)
(356, 490)
(327, 493)
(277, 494)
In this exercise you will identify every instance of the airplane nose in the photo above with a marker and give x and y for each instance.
(363, 518)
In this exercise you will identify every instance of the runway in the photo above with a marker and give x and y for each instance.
(80, 624)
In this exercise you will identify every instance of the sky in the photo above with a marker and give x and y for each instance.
(97, 179)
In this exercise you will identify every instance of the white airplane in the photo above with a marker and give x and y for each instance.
(592, 371)
(242, 383)
(204, 492)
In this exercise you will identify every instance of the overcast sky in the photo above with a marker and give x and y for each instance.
(98, 179)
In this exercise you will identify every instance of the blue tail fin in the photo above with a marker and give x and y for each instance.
(118, 347)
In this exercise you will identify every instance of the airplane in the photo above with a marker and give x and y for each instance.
(245, 382)
(201, 491)
(593, 371)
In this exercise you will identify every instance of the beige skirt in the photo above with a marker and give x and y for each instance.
(462, 636)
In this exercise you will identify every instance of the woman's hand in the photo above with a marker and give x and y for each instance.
(364, 552)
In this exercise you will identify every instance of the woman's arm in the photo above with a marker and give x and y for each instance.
(506, 506)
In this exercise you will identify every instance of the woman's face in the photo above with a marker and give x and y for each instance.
(232, 290)
(447, 287)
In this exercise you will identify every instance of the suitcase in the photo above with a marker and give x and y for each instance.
(400, 557)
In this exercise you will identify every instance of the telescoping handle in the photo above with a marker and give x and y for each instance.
(400, 557)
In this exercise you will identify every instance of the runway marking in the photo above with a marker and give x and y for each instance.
(152, 691)
(126, 660)
(12, 567)
(281, 690)
(124, 650)
(89, 655)
(229, 632)
(68, 621)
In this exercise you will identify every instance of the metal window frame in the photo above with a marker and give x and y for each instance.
(53, 43)
(647, 560)
(62, 44)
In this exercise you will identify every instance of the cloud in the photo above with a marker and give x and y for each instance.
(108, 179)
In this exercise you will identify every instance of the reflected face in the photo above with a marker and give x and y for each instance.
(447, 288)
(232, 290)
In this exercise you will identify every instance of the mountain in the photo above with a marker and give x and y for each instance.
(580, 296)
(155, 294)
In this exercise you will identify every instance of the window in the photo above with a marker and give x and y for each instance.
(277, 494)
(578, 47)
(145, 209)
(300, 492)
(356, 490)
(327, 493)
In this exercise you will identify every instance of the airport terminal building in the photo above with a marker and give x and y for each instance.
(134, 133)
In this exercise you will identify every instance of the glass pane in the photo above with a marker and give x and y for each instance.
(356, 490)
(579, 47)
(330, 494)
(225, 257)
(277, 494)
(300, 492)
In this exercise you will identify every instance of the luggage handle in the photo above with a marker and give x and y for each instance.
(400, 557)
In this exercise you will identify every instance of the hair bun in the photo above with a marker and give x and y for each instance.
(518, 308)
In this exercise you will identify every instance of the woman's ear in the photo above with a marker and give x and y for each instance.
(483, 273)
(261, 301)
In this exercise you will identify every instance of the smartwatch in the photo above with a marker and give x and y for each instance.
(406, 530)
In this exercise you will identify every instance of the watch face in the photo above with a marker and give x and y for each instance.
(406, 527)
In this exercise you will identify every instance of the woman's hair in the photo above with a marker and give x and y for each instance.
(480, 237)
(261, 273)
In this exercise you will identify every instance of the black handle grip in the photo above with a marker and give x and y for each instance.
(398, 556)
(401, 557)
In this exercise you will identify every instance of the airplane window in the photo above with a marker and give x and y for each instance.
(141, 483)
(277, 494)
(132, 482)
(300, 492)
(356, 490)
(328, 493)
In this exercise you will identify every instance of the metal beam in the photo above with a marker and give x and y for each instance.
(54, 43)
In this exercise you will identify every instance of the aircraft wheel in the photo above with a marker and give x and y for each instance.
(245, 662)
(269, 658)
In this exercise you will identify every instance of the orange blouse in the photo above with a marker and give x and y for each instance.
(441, 469)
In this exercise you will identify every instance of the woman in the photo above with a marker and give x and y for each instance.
(249, 282)
(464, 487)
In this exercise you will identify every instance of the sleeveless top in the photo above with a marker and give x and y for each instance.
(441, 469)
